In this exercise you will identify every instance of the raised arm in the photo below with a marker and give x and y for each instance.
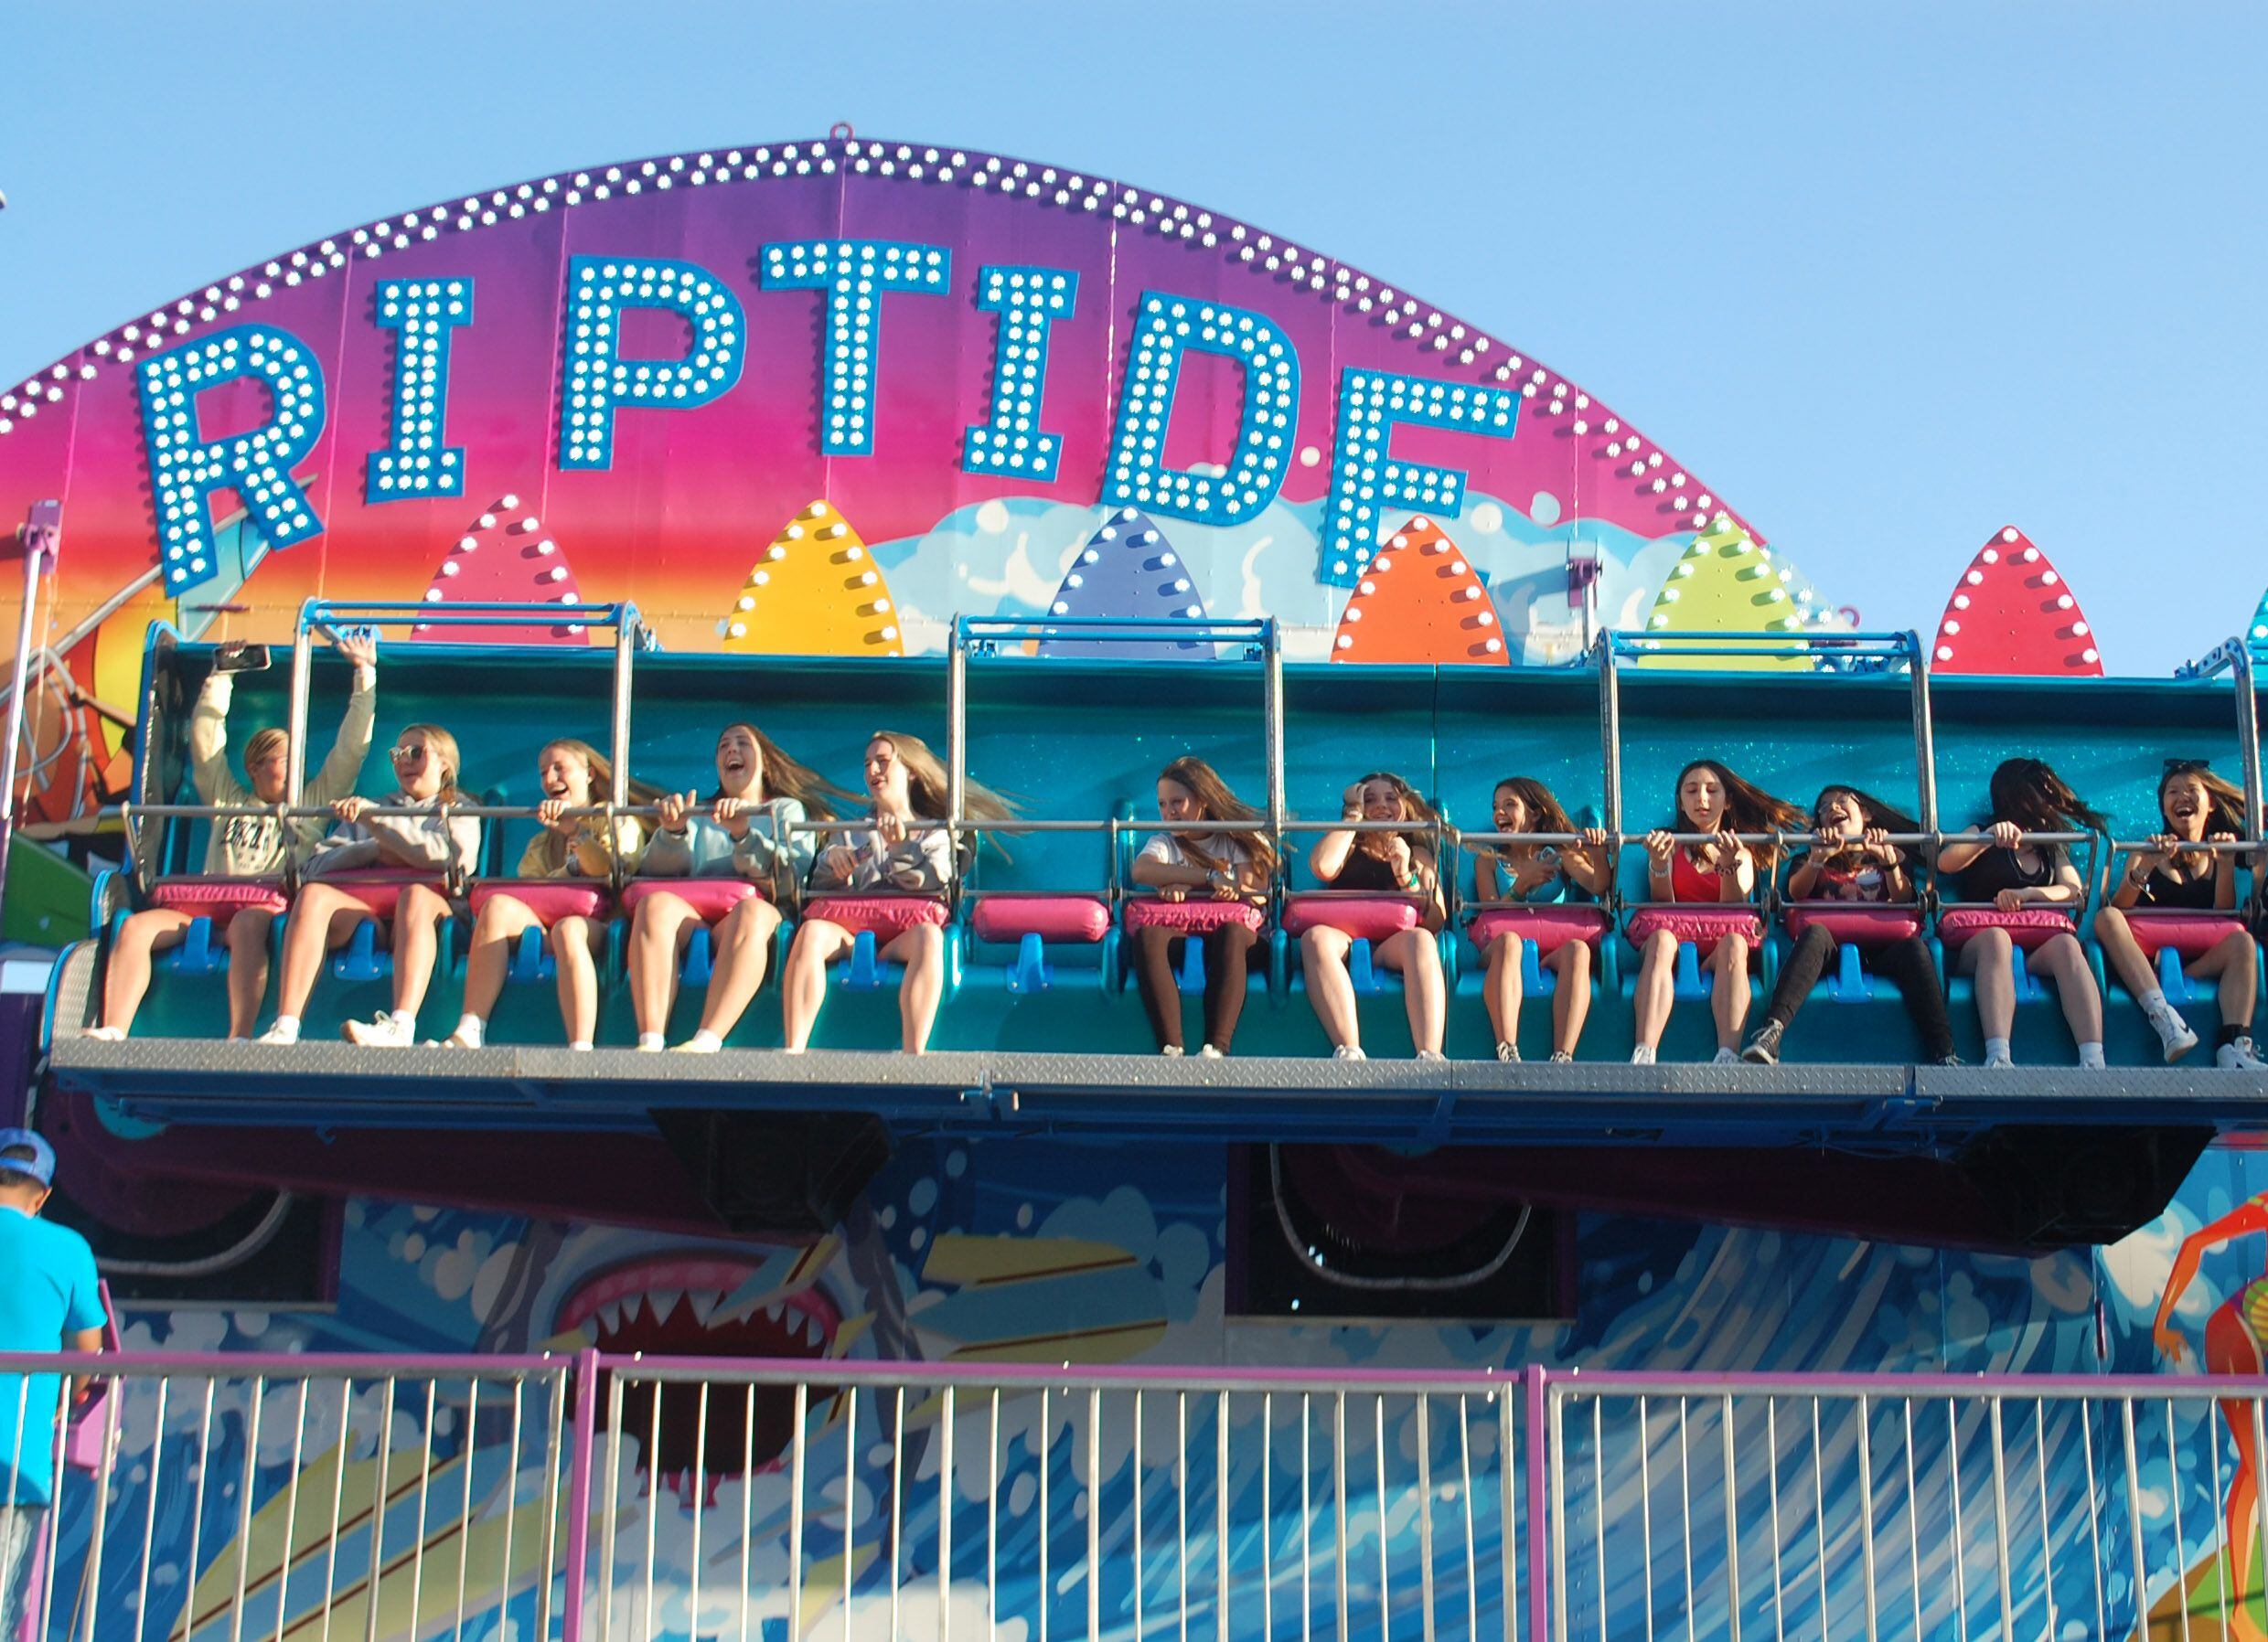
(343, 766)
(208, 742)
(2247, 1217)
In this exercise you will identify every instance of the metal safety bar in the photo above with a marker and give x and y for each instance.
(974, 634)
(328, 614)
(2235, 657)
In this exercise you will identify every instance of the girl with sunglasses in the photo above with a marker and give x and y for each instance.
(1397, 863)
(1994, 865)
(403, 855)
(2195, 807)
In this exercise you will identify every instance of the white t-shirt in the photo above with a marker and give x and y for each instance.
(1165, 849)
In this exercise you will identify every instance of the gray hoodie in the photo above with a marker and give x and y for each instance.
(417, 841)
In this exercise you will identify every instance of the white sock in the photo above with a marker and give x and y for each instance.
(1997, 1049)
(2090, 1054)
(406, 1019)
(2151, 1001)
(286, 1028)
(649, 1040)
(706, 1040)
(471, 1028)
(579, 1043)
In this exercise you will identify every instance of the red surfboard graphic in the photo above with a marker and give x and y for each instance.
(1418, 600)
(2011, 612)
(505, 557)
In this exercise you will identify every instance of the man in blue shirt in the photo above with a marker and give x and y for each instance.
(49, 1302)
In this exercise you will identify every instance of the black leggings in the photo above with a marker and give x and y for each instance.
(1157, 952)
(1906, 962)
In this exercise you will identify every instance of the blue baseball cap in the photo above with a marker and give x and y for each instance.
(39, 1165)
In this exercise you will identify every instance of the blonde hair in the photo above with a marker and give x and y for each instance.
(264, 743)
(443, 746)
(552, 850)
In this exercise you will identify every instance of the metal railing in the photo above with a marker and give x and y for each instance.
(599, 1499)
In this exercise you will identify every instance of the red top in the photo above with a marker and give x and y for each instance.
(1689, 882)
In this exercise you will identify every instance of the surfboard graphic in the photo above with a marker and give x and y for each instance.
(2011, 612)
(2256, 631)
(816, 591)
(1129, 569)
(505, 557)
(2200, 1607)
(1420, 601)
(1728, 581)
(285, 1579)
(1047, 1299)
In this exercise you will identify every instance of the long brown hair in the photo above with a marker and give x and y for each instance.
(1546, 813)
(552, 848)
(1414, 809)
(1873, 812)
(2224, 803)
(1748, 807)
(2026, 791)
(1215, 801)
(785, 776)
(926, 784)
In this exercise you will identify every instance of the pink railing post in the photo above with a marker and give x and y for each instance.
(1539, 1546)
(583, 1379)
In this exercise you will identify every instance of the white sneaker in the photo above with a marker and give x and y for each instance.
(2240, 1056)
(280, 1033)
(1560, 1057)
(1507, 1051)
(1991, 1060)
(1641, 1056)
(382, 1031)
(1726, 1057)
(1209, 1054)
(1349, 1052)
(1172, 1051)
(106, 1034)
(1431, 1054)
(699, 1043)
(2173, 1032)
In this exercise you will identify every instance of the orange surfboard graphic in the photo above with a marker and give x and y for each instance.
(1420, 601)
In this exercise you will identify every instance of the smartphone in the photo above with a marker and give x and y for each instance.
(43, 529)
(252, 658)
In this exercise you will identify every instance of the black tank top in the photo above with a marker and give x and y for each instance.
(1997, 869)
(2183, 894)
(1363, 870)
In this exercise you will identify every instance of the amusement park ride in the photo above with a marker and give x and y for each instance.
(1063, 699)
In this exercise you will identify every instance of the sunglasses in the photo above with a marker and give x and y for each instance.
(2187, 766)
(409, 754)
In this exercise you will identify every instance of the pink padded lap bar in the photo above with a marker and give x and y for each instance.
(711, 898)
(1856, 926)
(2029, 927)
(888, 916)
(1360, 918)
(380, 891)
(1549, 927)
(2192, 934)
(548, 899)
(1704, 926)
(1050, 917)
(219, 898)
(1189, 917)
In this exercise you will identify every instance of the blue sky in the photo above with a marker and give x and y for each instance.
(1888, 277)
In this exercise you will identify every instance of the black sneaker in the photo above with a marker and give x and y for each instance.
(1763, 1047)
